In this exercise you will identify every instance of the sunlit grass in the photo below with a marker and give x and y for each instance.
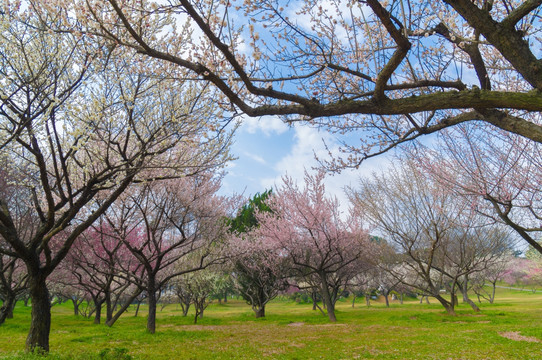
(295, 331)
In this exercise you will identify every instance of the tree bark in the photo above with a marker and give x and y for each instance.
(185, 307)
(151, 301)
(449, 306)
(326, 297)
(11, 309)
(40, 323)
(98, 308)
(75, 303)
(7, 308)
(260, 312)
(466, 299)
(387, 300)
(123, 308)
(492, 293)
(108, 306)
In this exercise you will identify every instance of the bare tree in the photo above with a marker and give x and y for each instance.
(427, 225)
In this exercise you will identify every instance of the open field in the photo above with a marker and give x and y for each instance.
(509, 329)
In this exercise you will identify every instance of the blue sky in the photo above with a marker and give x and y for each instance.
(267, 149)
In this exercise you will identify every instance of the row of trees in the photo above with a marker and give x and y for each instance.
(151, 242)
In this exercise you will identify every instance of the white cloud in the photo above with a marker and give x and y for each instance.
(256, 158)
(309, 142)
(268, 125)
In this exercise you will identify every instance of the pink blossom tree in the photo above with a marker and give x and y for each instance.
(307, 227)
(93, 268)
(171, 227)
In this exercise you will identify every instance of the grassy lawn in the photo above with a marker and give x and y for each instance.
(294, 331)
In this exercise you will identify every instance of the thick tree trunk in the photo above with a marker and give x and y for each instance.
(11, 309)
(98, 315)
(40, 323)
(259, 312)
(7, 308)
(98, 308)
(387, 300)
(313, 297)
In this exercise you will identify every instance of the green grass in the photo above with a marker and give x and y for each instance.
(294, 331)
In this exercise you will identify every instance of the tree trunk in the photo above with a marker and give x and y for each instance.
(401, 299)
(7, 307)
(466, 299)
(75, 306)
(151, 301)
(259, 312)
(387, 300)
(98, 314)
(40, 323)
(185, 307)
(137, 308)
(108, 306)
(225, 296)
(449, 306)
(473, 305)
(122, 309)
(368, 299)
(326, 297)
(11, 309)
(492, 298)
(353, 300)
(313, 297)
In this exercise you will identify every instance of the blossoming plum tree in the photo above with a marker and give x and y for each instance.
(306, 227)
(84, 120)
(390, 70)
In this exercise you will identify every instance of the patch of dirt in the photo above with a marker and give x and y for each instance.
(483, 322)
(296, 324)
(514, 335)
